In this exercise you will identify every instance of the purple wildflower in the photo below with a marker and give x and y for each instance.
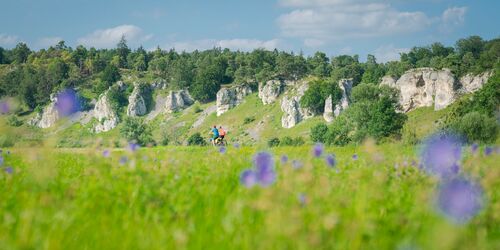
(236, 145)
(440, 153)
(460, 199)
(296, 164)
(248, 178)
(9, 170)
(302, 199)
(106, 153)
(474, 147)
(1, 160)
(4, 107)
(355, 156)
(263, 161)
(67, 102)
(455, 169)
(488, 151)
(222, 150)
(123, 160)
(318, 150)
(284, 159)
(132, 146)
(330, 160)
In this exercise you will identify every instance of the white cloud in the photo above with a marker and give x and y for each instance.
(108, 38)
(8, 40)
(388, 53)
(452, 17)
(45, 42)
(234, 44)
(318, 22)
(351, 21)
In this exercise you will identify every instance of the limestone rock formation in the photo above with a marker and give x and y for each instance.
(290, 105)
(107, 118)
(389, 81)
(136, 102)
(346, 88)
(49, 115)
(177, 100)
(228, 98)
(269, 91)
(328, 112)
(471, 83)
(425, 87)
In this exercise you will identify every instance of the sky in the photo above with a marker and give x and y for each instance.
(383, 28)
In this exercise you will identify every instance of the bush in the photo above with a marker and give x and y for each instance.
(298, 141)
(134, 130)
(164, 139)
(249, 119)
(117, 98)
(314, 98)
(319, 132)
(13, 121)
(197, 109)
(339, 131)
(196, 140)
(7, 141)
(409, 135)
(273, 142)
(286, 141)
(476, 127)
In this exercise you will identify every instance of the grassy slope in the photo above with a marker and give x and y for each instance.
(188, 198)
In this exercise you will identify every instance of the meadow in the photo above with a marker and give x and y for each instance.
(174, 197)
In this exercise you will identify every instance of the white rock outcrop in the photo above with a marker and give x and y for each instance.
(107, 118)
(293, 113)
(471, 83)
(136, 102)
(228, 98)
(426, 87)
(50, 114)
(328, 112)
(270, 90)
(177, 100)
(346, 88)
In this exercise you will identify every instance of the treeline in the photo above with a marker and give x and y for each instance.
(33, 75)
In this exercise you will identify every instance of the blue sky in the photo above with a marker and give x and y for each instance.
(380, 27)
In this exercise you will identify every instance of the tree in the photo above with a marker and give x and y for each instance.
(135, 130)
(122, 50)
(319, 133)
(473, 44)
(110, 75)
(196, 140)
(20, 53)
(477, 127)
(317, 93)
(319, 65)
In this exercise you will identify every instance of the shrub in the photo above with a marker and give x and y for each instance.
(7, 141)
(286, 141)
(248, 119)
(314, 98)
(164, 139)
(409, 135)
(197, 109)
(273, 142)
(135, 130)
(477, 127)
(339, 131)
(298, 141)
(319, 132)
(196, 140)
(13, 121)
(117, 98)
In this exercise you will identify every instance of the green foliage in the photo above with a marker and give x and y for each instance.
(14, 121)
(196, 140)
(110, 75)
(409, 135)
(319, 133)
(273, 142)
(117, 98)
(7, 140)
(373, 113)
(286, 141)
(249, 119)
(135, 130)
(298, 141)
(477, 127)
(317, 93)
(339, 133)
(164, 139)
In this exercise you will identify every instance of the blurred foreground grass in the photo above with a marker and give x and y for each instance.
(190, 197)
